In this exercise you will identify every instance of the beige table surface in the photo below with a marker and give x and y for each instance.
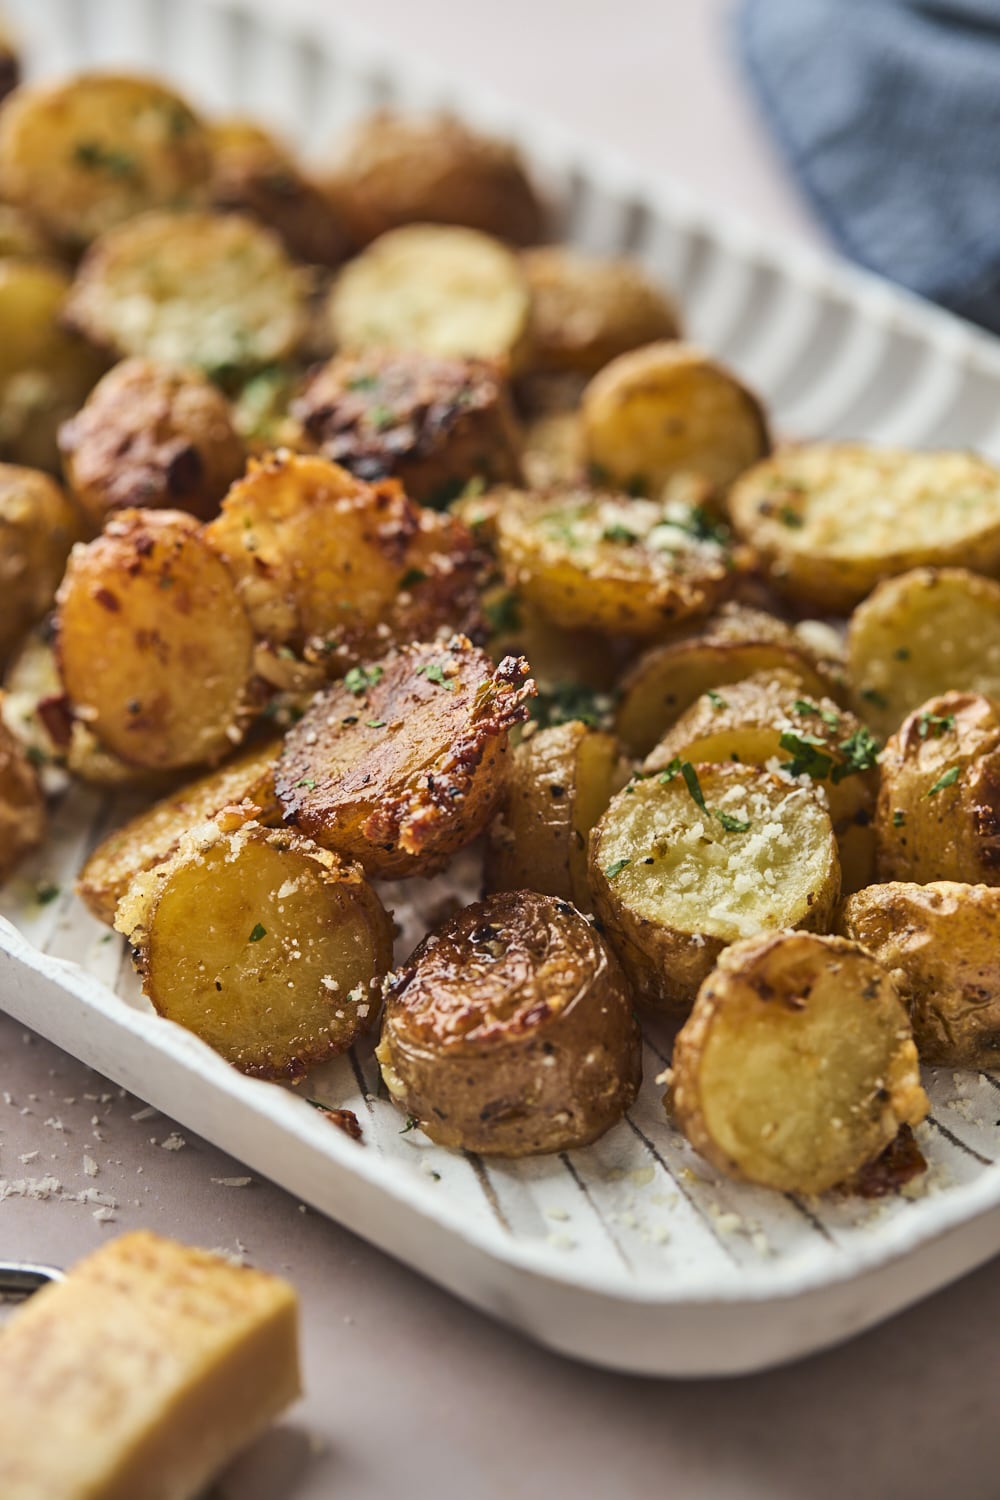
(408, 1392)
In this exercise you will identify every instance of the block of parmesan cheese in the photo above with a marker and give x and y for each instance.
(142, 1374)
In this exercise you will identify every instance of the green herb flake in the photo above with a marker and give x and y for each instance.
(409, 580)
(948, 779)
(616, 867)
(375, 723)
(808, 758)
(258, 932)
(36, 756)
(619, 533)
(359, 679)
(412, 1123)
(731, 824)
(434, 672)
(100, 158)
(670, 770)
(503, 613)
(791, 518)
(860, 751)
(382, 417)
(308, 783)
(46, 892)
(704, 527)
(873, 696)
(363, 383)
(899, 819)
(716, 699)
(570, 702)
(934, 724)
(806, 706)
(902, 653)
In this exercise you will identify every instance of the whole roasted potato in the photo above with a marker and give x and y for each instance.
(38, 526)
(831, 520)
(509, 1031)
(22, 805)
(796, 1066)
(588, 309)
(434, 424)
(941, 944)
(693, 858)
(269, 949)
(392, 170)
(938, 811)
(151, 437)
(405, 761)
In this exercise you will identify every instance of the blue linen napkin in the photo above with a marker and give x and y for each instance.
(889, 114)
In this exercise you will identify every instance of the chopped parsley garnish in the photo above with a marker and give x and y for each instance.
(808, 757)
(670, 770)
(619, 533)
(409, 580)
(693, 785)
(98, 157)
(898, 818)
(789, 517)
(731, 824)
(936, 724)
(503, 613)
(569, 702)
(434, 672)
(382, 417)
(359, 679)
(36, 756)
(412, 1123)
(947, 779)
(46, 892)
(704, 528)
(308, 783)
(806, 706)
(902, 653)
(860, 751)
(716, 699)
(362, 383)
(258, 932)
(872, 695)
(616, 867)
(375, 723)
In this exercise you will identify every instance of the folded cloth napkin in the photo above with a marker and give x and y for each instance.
(889, 113)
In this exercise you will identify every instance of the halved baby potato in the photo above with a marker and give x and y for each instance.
(693, 858)
(796, 1067)
(38, 526)
(510, 1031)
(405, 761)
(588, 309)
(22, 804)
(268, 948)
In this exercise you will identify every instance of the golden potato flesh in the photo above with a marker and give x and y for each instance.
(668, 409)
(19, 234)
(405, 761)
(923, 633)
(938, 812)
(433, 288)
(695, 857)
(553, 450)
(434, 424)
(831, 520)
(769, 720)
(510, 1032)
(941, 944)
(153, 835)
(38, 526)
(46, 371)
(155, 649)
(393, 170)
(606, 562)
(702, 655)
(22, 805)
(212, 290)
(86, 154)
(796, 1066)
(338, 570)
(588, 309)
(266, 947)
(561, 781)
(151, 437)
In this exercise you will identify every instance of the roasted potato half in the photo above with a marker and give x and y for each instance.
(266, 947)
(704, 654)
(38, 526)
(46, 371)
(510, 1032)
(405, 761)
(796, 1066)
(923, 633)
(337, 570)
(668, 409)
(553, 450)
(88, 153)
(441, 290)
(588, 309)
(434, 424)
(151, 437)
(22, 805)
(154, 647)
(394, 170)
(768, 720)
(575, 670)
(607, 562)
(561, 781)
(154, 834)
(695, 857)
(941, 944)
(212, 290)
(831, 520)
(938, 811)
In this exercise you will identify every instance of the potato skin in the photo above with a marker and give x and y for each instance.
(938, 811)
(38, 526)
(941, 944)
(10, 66)
(588, 309)
(796, 1066)
(393, 170)
(433, 424)
(509, 1032)
(154, 647)
(151, 437)
(22, 806)
(404, 762)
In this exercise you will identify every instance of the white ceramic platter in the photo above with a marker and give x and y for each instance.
(632, 1253)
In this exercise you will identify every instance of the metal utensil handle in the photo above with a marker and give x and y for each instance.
(19, 1280)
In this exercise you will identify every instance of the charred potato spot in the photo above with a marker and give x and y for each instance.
(85, 155)
(339, 571)
(696, 857)
(405, 761)
(586, 309)
(261, 944)
(668, 409)
(22, 805)
(796, 1066)
(940, 942)
(434, 424)
(154, 647)
(151, 437)
(38, 526)
(212, 290)
(831, 520)
(510, 1031)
